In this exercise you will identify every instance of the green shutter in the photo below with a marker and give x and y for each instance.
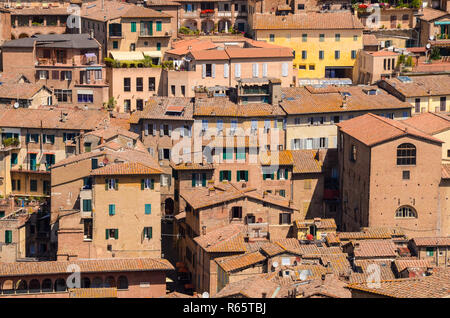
(106, 184)
(221, 176)
(246, 175)
(148, 209)
(152, 184)
(238, 177)
(264, 176)
(112, 209)
(204, 179)
(133, 26)
(150, 232)
(8, 237)
(44, 138)
(107, 234)
(142, 184)
(116, 186)
(193, 180)
(28, 138)
(116, 234)
(278, 174)
(272, 176)
(286, 174)
(158, 26)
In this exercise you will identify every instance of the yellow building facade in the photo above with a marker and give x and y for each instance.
(318, 53)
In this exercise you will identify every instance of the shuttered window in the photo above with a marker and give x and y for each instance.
(226, 70)
(112, 209)
(148, 209)
(284, 69)
(237, 70)
(8, 237)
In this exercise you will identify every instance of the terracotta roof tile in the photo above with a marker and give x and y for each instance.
(209, 55)
(433, 286)
(429, 123)
(305, 161)
(116, 9)
(86, 266)
(239, 262)
(371, 130)
(432, 241)
(375, 248)
(226, 239)
(430, 14)
(402, 264)
(223, 107)
(128, 168)
(156, 108)
(110, 292)
(421, 85)
(254, 53)
(369, 40)
(305, 21)
(252, 287)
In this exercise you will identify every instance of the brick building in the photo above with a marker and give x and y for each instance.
(390, 176)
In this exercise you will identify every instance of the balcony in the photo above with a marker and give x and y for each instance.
(257, 230)
(207, 13)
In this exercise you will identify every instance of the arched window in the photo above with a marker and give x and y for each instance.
(97, 282)
(110, 282)
(122, 283)
(406, 154)
(8, 287)
(47, 286)
(21, 287)
(85, 282)
(60, 285)
(405, 212)
(35, 286)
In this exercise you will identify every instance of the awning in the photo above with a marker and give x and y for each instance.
(85, 91)
(49, 153)
(93, 68)
(442, 22)
(90, 55)
(33, 152)
(127, 56)
(153, 53)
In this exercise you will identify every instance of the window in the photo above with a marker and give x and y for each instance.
(63, 95)
(139, 104)
(321, 55)
(127, 84)
(272, 37)
(66, 75)
(282, 174)
(405, 212)
(283, 193)
(353, 153)
(112, 234)
(227, 153)
(353, 54)
(85, 97)
(337, 55)
(15, 185)
(158, 26)
(87, 229)
(242, 175)
(115, 44)
(111, 184)
(43, 74)
(321, 37)
(304, 37)
(148, 233)
(208, 70)
(236, 212)
(198, 180)
(285, 218)
(127, 105)
(337, 37)
(14, 157)
(87, 205)
(139, 84)
(225, 175)
(158, 46)
(240, 153)
(417, 105)
(133, 26)
(183, 90)
(151, 84)
(406, 154)
(172, 89)
(443, 105)
(148, 209)
(430, 251)
(300, 6)
(112, 209)
(48, 139)
(33, 185)
(406, 175)
(8, 237)
(355, 38)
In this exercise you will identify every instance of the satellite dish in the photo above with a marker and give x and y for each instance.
(205, 295)
(275, 264)
(428, 46)
(16, 105)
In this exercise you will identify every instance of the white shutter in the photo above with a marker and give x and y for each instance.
(213, 71)
(237, 70)
(284, 69)
(203, 70)
(160, 154)
(255, 69)
(226, 70)
(170, 130)
(154, 129)
(146, 129)
(161, 130)
(264, 70)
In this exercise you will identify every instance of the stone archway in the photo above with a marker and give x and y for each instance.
(23, 35)
(207, 26)
(224, 25)
(191, 25)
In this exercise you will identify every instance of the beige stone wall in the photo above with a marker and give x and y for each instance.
(129, 218)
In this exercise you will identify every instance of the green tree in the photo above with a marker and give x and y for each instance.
(435, 53)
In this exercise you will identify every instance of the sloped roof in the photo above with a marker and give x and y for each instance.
(223, 240)
(305, 161)
(430, 123)
(432, 241)
(371, 130)
(126, 168)
(69, 41)
(422, 85)
(241, 261)
(375, 248)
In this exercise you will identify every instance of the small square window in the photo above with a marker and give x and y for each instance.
(406, 175)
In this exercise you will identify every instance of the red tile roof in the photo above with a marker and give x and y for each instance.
(375, 248)
(223, 240)
(126, 168)
(371, 130)
(402, 264)
(432, 241)
(430, 123)
(86, 266)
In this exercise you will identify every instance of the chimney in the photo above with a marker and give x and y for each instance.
(203, 230)
(275, 91)
(211, 191)
(344, 101)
